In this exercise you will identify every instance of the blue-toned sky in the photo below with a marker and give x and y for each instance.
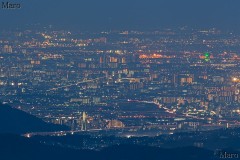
(121, 14)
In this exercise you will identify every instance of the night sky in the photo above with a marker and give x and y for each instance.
(124, 14)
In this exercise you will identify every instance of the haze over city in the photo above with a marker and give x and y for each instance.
(119, 79)
(133, 14)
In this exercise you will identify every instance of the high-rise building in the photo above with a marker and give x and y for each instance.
(7, 49)
(115, 124)
(83, 122)
(182, 79)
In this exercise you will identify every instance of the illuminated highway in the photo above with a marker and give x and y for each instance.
(54, 89)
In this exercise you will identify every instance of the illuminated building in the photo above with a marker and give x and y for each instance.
(7, 49)
(123, 60)
(183, 79)
(151, 56)
(115, 124)
(83, 122)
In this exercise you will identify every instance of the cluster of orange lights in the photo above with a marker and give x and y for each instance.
(204, 57)
(234, 79)
(150, 56)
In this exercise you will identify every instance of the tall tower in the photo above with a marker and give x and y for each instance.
(83, 122)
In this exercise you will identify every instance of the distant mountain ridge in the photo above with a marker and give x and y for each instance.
(15, 121)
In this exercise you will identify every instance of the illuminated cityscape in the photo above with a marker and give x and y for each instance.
(144, 83)
(120, 80)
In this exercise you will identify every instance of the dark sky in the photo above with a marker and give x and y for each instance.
(124, 14)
